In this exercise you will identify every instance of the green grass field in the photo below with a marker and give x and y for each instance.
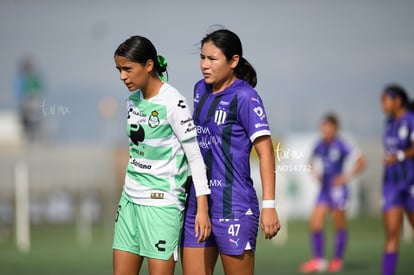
(55, 251)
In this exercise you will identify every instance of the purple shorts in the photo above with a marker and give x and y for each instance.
(334, 196)
(230, 236)
(398, 195)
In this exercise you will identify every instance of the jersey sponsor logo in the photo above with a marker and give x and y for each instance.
(260, 125)
(138, 152)
(215, 183)
(259, 112)
(160, 244)
(187, 120)
(220, 116)
(181, 104)
(203, 130)
(224, 103)
(205, 141)
(334, 154)
(140, 165)
(191, 128)
(136, 133)
(153, 120)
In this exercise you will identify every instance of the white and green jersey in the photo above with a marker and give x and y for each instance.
(157, 168)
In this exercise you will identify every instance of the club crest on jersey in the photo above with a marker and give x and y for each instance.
(334, 154)
(220, 116)
(403, 132)
(153, 120)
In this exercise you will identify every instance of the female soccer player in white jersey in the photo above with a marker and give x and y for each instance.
(398, 182)
(230, 120)
(163, 147)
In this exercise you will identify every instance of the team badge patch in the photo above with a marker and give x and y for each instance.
(220, 116)
(153, 120)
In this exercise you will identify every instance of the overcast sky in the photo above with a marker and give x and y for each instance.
(311, 56)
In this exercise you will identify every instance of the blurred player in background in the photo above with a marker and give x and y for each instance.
(29, 89)
(163, 146)
(398, 185)
(331, 152)
(230, 120)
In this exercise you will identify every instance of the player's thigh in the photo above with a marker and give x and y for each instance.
(318, 216)
(339, 219)
(199, 260)
(238, 265)
(126, 263)
(393, 219)
(161, 267)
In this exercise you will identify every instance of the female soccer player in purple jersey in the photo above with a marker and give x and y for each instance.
(332, 152)
(398, 184)
(230, 120)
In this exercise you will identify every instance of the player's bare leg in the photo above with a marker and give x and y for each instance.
(318, 216)
(199, 261)
(126, 263)
(238, 265)
(393, 219)
(161, 267)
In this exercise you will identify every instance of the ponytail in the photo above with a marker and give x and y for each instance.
(245, 71)
(161, 67)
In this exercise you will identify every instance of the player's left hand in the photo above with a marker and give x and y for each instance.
(269, 222)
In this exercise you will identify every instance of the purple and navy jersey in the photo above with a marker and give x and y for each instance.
(332, 156)
(399, 135)
(227, 125)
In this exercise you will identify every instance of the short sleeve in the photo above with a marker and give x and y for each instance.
(252, 115)
(181, 120)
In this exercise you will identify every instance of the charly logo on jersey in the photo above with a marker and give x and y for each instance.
(181, 104)
(220, 116)
(334, 154)
(153, 120)
(403, 132)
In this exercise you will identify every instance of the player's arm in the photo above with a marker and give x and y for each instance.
(269, 219)
(401, 155)
(195, 161)
(358, 167)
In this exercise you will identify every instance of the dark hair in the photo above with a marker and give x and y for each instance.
(229, 43)
(394, 91)
(140, 49)
(332, 119)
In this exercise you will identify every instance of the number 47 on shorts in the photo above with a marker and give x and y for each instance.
(234, 229)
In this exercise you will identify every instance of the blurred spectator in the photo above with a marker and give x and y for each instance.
(28, 89)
